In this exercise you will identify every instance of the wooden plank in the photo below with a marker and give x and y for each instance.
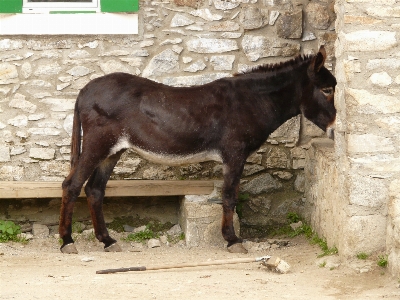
(115, 188)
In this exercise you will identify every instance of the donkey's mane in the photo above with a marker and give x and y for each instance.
(277, 66)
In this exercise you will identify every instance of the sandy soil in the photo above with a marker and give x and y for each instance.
(39, 271)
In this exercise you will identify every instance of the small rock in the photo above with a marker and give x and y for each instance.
(87, 259)
(88, 231)
(278, 242)
(175, 230)
(330, 262)
(26, 236)
(296, 225)
(153, 243)
(128, 228)
(139, 229)
(164, 239)
(40, 230)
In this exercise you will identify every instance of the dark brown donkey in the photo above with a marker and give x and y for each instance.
(225, 120)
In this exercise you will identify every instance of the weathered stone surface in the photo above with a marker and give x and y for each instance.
(51, 69)
(256, 47)
(195, 67)
(384, 11)
(224, 26)
(277, 158)
(367, 191)
(381, 79)
(288, 132)
(41, 153)
(19, 102)
(19, 121)
(368, 40)
(201, 222)
(318, 16)
(360, 143)
(153, 243)
(283, 175)
(206, 14)
(372, 103)
(164, 62)
(222, 62)
(79, 54)
(113, 66)
(299, 183)
(40, 230)
(225, 5)
(253, 17)
(8, 73)
(391, 63)
(261, 184)
(10, 173)
(10, 44)
(26, 70)
(290, 25)
(4, 154)
(206, 45)
(180, 20)
(59, 105)
(191, 3)
(273, 16)
(79, 71)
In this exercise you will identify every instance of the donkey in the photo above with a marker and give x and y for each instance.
(225, 120)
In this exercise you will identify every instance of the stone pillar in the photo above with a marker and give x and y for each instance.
(200, 219)
(367, 136)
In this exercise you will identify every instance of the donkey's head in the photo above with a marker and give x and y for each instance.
(318, 106)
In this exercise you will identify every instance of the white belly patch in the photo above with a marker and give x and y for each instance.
(165, 158)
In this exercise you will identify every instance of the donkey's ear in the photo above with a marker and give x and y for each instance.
(320, 59)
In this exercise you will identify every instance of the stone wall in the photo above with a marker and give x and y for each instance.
(180, 43)
(365, 153)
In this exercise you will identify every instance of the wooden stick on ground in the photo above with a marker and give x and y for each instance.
(187, 265)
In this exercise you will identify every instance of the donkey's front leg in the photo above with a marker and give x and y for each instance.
(229, 199)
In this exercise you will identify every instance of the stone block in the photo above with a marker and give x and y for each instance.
(374, 103)
(253, 17)
(318, 15)
(381, 79)
(42, 153)
(201, 221)
(368, 40)
(364, 234)
(256, 47)
(361, 143)
(261, 184)
(4, 153)
(207, 45)
(290, 25)
(368, 192)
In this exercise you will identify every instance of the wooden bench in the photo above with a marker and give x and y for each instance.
(115, 188)
(199, 218)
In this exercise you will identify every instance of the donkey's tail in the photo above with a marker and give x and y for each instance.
(76, 137)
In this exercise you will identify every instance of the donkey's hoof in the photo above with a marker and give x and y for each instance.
(69, 249)
(113, 248)
(237, 248)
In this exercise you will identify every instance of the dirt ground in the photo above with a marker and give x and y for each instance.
(38, 270)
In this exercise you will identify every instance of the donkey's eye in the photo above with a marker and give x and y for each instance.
(327, 91)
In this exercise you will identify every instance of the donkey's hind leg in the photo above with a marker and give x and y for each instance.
(95, 190)
(72, 187)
